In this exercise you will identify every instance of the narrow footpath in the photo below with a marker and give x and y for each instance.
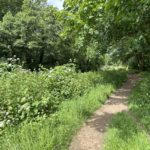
(91, 135)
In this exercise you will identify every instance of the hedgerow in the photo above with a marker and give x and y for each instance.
(51, 127)
(27, 95)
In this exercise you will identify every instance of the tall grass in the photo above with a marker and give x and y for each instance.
(56, 131)
(124, 132)
(139, 101)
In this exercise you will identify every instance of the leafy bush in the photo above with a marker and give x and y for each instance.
(27, 95)
(56, 131)
(9, 65)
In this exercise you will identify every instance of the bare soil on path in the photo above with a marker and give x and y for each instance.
(91, 135)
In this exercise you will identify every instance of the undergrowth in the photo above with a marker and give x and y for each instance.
(54, 131)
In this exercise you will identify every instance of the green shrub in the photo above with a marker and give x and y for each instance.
(56, 131)
(27, 95)
(10, 65)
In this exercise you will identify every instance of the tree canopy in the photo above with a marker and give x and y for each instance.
(84, 32)
(10, 5)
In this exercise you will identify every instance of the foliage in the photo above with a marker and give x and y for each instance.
(32, 35)
(120, 29)
(29, 95)
(41, 34)
(10, 65)
(56, 131)
(13, 6)
(86, 32)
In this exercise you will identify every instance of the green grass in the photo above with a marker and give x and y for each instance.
(124, 134)
(139, 101)
(56, 131)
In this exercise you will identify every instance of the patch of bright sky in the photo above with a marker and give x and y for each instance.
(56, 3)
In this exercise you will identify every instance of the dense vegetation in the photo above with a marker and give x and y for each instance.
(53, 69)
(49, 106)
(14, 6)
(26, 95)
(129, 130)
(111, 31)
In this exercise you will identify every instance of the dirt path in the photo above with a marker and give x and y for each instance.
(91, 135)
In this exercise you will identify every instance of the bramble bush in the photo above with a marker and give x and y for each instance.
(26, 94)
(50, 106)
